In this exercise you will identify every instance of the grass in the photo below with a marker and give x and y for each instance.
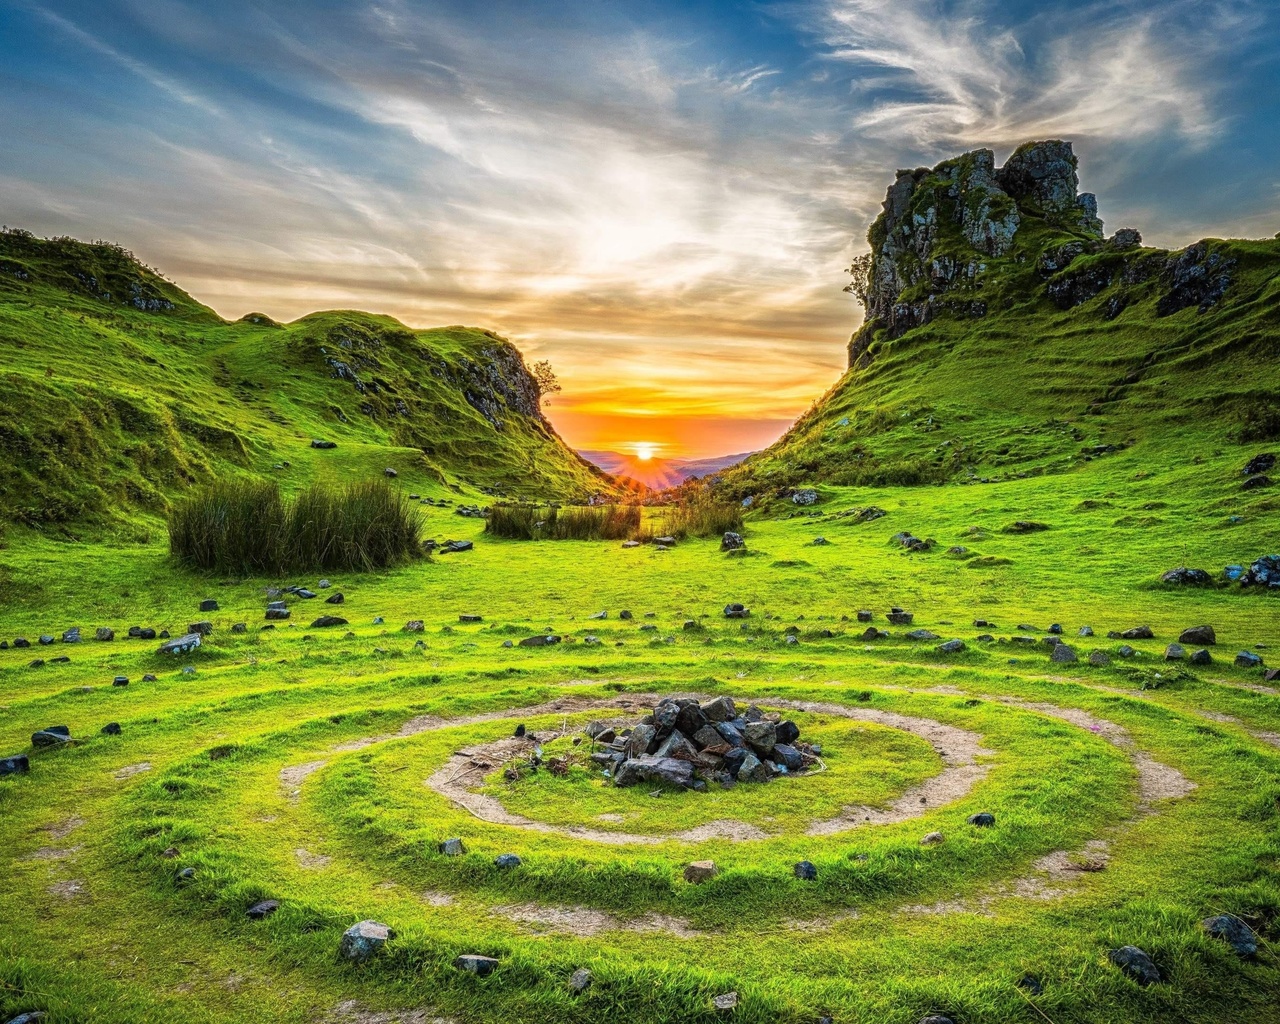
(206, 773)
(553, 522)
(247, 528)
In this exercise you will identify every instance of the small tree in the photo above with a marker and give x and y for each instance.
(546, 379)
(860, 286)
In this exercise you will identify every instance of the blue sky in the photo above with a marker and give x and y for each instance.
(659, 197)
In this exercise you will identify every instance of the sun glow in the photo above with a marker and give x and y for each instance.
(645, 450)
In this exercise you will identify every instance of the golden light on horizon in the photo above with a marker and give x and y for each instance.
(645, 450)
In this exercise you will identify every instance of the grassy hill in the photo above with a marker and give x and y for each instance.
(120, 391)
(991, 354)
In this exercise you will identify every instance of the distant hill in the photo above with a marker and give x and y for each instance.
(656, 473)
(120, 391)
(1007, 336)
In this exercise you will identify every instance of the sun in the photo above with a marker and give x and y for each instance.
(645, 450)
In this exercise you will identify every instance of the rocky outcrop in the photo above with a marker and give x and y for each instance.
(940, 228)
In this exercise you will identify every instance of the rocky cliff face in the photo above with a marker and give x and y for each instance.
(940, 228)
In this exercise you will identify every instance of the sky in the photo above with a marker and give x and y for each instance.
(661, 198)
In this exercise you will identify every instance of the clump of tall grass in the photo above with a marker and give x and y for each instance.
(699, 514)
(549, 522)
(247, 528)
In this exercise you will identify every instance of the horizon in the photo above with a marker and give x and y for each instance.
(661, 199)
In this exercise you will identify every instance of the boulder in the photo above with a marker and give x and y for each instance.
(677, 745)
(805, 496)
(787, 732)
(983, 819)
(788, 756)
(545, 640)
(1264, 572)
(1174, 652)
(735, 611)
(1062, 654)
(1231, 930)
(71, 636)
(1201, 657)
(240, 627)
(361, 941)
(1184, 577)
(951, 647)
(452, 848)
(1136, 964)
(1099, 658)
(1247, 659)
(665, 770)
(897, 617)
(865, 616)
(700, 871)
(329, 620)
(933, 839)
(507, 861)
(1137, 633)
(209, 606)
(1200, 636)
(120, 681)
(277, 614)
(204, 628)
(637, 744)
(335, 598)
(105, 634)
(181, 645)
(753, 769)
(1085, 631)
(732, 542)
(111, 729)
(805, 871)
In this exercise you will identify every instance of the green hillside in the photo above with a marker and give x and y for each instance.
(1007, 337)
(120, 391)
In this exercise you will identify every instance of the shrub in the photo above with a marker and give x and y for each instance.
(246, 527)
(547, 522)
(701, 515)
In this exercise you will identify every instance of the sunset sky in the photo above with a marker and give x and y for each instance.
(658, 197)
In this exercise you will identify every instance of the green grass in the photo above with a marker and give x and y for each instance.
(99, 926)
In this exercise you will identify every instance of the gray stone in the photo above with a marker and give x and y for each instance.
(336, 598)
(665, 770)
(732, 542)
(1126, 651)
(17, 765)
(638, 742)
(1174, 652)
(105, 634)
(111, 729)
(507, 861)
(720, 709)
(71, 636)
(580, 980)
(1198, 636)
(204, 628)
(1085, 631)
(1231, 930)
(725, 1002)
(753, 770)
(921, 634)
(1136, 964)
(240, 627)
(209, 605)
(805, 496)
(546, 640)
(262, 910)
(805, 871)
(788, 732)
(51, 736)
(1247, 659)
(677, 745)
(1062, 654)
(700, 871)
(983, 819)
(452, 848)
(788, 756)
(1099, 658)
(181, 645)
(951, 647)
(761, 737)
(361, 941)
(1137, 633)
(120, 681)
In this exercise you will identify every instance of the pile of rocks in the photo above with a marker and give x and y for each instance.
(687, 744)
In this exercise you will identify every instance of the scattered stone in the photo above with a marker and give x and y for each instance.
(933, 839)
(1136, 964)
(805, 871)
(1184, 577)
(452, 848)
(1231, 930)
(700, 871)
(17, 765)
(262, 910)
(545, 640)
(390, 473)
(453, 546)
(51, 736)
(71, 636)
(865, 616)
(325, 584)
(120, 681)
(1099, 658)
(736, 611)
(597, 616)
(819, 542)
(105, 634)
(329, 620)
(181, 645)
(725, 1002)
(580, 980)
(1201, 657)
(648, 769)
(336, 598)
(324, 445)
(204, 628)
(45, 640)
(507, 861)
(413, 626)
(1247, 659)
(22, 642)
(921, 634)
(1201, 636)
(1062, 654)
(951, 647)
(630, 543)
(304, 593)
(149, 677)
(361, 941)
(805, 496)
(732, 542)
(983, 819)
(240, 627)
(1174, 652)
(898, 617)
(1126, 651)
(111, 729)
(37, 663)
(209, 605)
(1056, 629)
(625, 615)
(278, 614)
(1137, 633)
(1025, 526)
(474, 963)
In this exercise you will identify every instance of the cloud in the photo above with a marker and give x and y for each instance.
(946, 77)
